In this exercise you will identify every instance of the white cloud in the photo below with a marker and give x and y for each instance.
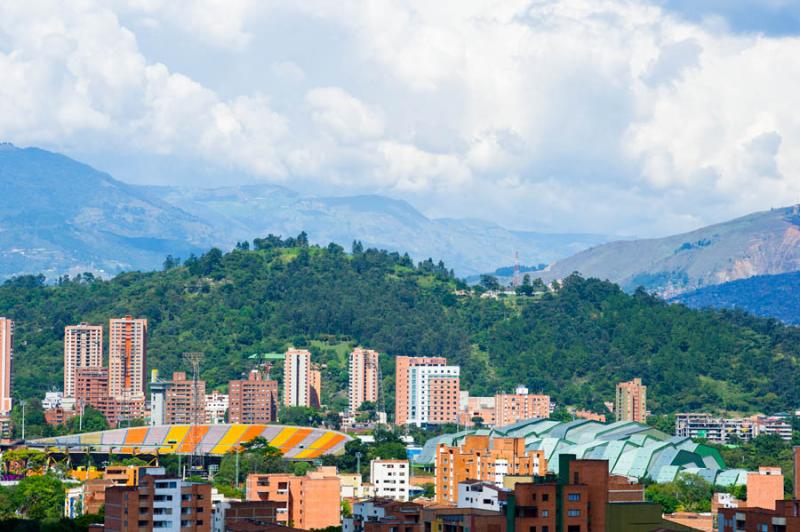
(528, 112)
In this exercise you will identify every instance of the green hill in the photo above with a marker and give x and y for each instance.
(574, 344)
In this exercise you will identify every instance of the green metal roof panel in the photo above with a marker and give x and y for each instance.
(667, 474)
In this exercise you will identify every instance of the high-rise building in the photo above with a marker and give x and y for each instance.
(297, 378)
(511, 408)
(315, 386)
(479, 459)
(216, 407)
(402, 366)
(6, 364)
(181, 404)
(631, 401)
(427, 391)
(363, 383)
(83, 348)
(253, 400)
(127, 358)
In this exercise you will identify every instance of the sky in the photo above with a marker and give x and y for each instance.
(619, 117)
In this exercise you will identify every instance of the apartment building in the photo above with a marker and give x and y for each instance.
(315, 386)
(158, 502)
(6, 365)
(216, 407)
(253, 400)
(383, 515)
(83, 348)
(631, 401)
(725, 430)
(183, 404)
(476, 408)
(519, 406)
(427, 391)
(402, 391)
(363, 378)
(477, 459)
(390, 478)
(297, 378)
(127, 358)
(310, 501)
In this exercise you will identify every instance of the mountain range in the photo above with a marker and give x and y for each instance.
(62, 216)
(762, 243)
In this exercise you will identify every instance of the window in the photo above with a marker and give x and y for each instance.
(545, 496)
(574, 513)
(545, 513)
(574, 497)
(532, 529)
(574, 528)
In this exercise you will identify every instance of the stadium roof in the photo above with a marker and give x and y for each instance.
(294, 442)
(632, 449)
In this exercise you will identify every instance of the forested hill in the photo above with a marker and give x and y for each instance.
(574, 344)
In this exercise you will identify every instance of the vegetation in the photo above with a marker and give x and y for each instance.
(574, 342)
(688, 492)
(35, 497)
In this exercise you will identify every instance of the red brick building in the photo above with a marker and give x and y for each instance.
(253, 400)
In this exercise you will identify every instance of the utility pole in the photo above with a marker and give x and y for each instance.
(22, 402)
(237, 467)
(358, 462)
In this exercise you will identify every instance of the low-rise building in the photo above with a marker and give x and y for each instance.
(310, 501)
(390, 478)
(514, 407)
(88, 498)
(158, 502)
(383, 515)
(481, 495)
(725, 430)
(216, 407)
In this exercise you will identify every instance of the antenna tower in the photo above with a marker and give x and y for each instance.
(516, 281)
(194, 359)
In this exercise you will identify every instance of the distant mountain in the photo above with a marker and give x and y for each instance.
(758, 244)
(58, 215)
(470, 246)
(61, 216)
(771, 296)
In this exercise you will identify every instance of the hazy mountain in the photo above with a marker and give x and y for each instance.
(58, 215)
(757, 244)
(772, 296)
(469, 246)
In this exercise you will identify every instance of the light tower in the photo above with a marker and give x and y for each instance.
(193, 359)
(516, 281)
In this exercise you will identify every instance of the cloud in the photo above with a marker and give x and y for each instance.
(605, 115)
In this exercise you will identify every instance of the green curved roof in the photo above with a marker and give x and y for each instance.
(632, 449)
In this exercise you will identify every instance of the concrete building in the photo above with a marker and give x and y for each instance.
(725, 430)
(158, 502)
(52, 400)
(383, 515)
(520, 406)
(352, 487)
(390, 478)
(481, 495)
(402, 366)
(158, 399)
(88, 498)
(182, 406)
(631, 401)
(253, 400)
(315, 386)
(297, 378)
(216, 407)
(764, 487)
(127, 358)
(427, 391)
(478, 459)
(473, 408)
(83, 348)
(363, 378)
(6, 364)
(589, 415)
(310, 501)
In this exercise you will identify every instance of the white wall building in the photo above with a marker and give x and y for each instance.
(216, 407)
(419, 390)
(389, 478)
(480, 495)
(52, 400)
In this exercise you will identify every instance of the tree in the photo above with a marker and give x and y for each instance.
(255, 456)
(93, 421)
(664, 494)
(489, 282)
(299, 415)
(40, 497)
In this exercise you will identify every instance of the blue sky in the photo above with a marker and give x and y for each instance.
(627, 117)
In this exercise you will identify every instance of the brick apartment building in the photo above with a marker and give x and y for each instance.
(83, 348)
(631, 401)
(253, 400)
(181, 405)
(363, 378)
(511, 408)
(427, 391)
(476, 459)
(158, 501)
(310, 501)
